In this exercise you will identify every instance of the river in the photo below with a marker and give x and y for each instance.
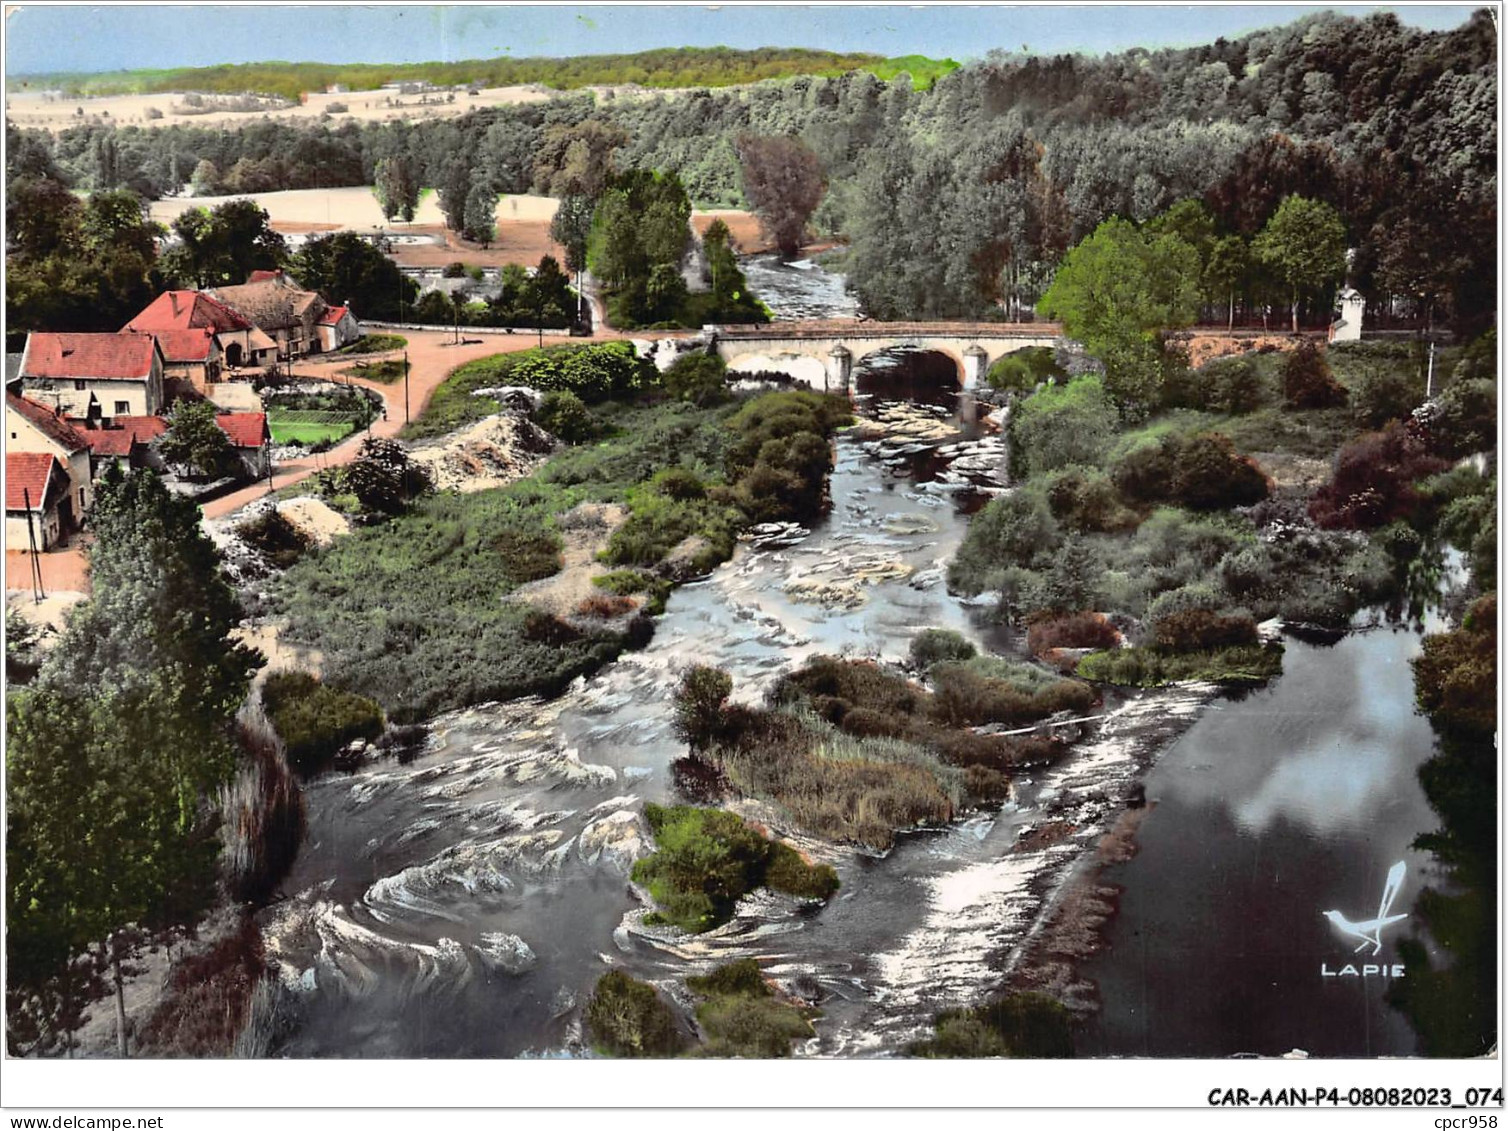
(463, 904)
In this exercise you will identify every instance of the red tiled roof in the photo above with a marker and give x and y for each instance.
(31, 473)
(125, 433)
(111, 442)
(183, 345)
(333, 316)
(48, 422)
(117, 357)
(262, 276)
(245, 429)
(187, 310)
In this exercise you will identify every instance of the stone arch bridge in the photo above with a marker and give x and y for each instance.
(836, 346)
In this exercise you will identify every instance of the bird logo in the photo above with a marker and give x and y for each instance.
(1369, 931)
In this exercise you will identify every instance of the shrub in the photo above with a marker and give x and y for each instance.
(1382, 390)
(1072, 630)
(1062, 425)
(382, 477)
(1373, 480)
(936, 645)
(316, 721)
(262, 813)
(700, 701)
(1307, 382)
(786, 871)
(1025, 369)
(1085, 500)
(1465, 418)
(565, 416)
(625, 1017)
(706, 860)
(207, 998)
(697, 378)
(454, 270)
(1201, 470)
(1028, 1025)
(275, 538)
(1199, 630)
(1015, 530)
(966, 697)
(1152, 667)
(1230, 386)
(741, 1017)
(375, 343)
(605, 607)
(1455, 677)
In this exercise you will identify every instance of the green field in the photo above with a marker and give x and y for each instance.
(308, 426)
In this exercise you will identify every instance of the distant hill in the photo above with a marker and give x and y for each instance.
(663, 68)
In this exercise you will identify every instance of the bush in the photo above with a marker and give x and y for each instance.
(1230, 386)
(936, 645)
(1383, 390)
(1455, 677)
(741, 1018)
(1464, 419)
(1025, 369)
(316, 721)
(1153, 667)
(1027, 1025)
(966, 697)
(207, 998)
(1015, 530)
(1199, 630)
(706, 860)
(1085, 500)
(275, 538)
(1307, 382)
(565, 416)
(1062, 425)
(454, 270)
(1201, 470)
(375, 343)
(1373, 481)
(625, 1017)
(1072, 630)
(697, 378)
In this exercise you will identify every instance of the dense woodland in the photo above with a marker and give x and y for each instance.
(960, 199)
(667, 68)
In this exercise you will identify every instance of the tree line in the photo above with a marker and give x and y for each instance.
(961, 199)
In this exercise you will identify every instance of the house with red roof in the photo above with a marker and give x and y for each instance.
(94, 375)
(125, 439)
(251, 438)
(280, 308)
(31, 426)
(191, 359)
(241, 343)
(36, 494)
(337, 327)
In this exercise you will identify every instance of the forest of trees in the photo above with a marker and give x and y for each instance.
(666, 68)
(961, 199)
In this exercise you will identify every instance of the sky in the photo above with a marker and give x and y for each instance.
(115, 37)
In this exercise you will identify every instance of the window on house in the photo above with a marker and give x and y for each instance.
(122, 408)
(80, 386)
(81, 498)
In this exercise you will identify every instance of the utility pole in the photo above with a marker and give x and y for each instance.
(1429, 380)
(405, 386)
(36, 563)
